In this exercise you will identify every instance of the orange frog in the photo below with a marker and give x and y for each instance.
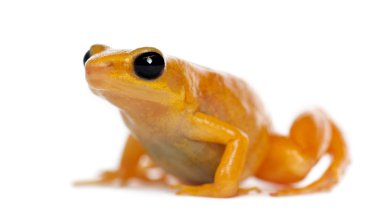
(208, 130)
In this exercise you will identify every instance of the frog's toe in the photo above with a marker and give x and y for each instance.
(244, 191)
(107, 177)
(203, 190)
(325, 183)
(207, 190)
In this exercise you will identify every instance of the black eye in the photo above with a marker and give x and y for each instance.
(149, 65)
(86, 57)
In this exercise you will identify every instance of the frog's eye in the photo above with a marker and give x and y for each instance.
(86, 57)
(149, 65)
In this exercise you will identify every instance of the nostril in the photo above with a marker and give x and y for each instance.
(86, 56)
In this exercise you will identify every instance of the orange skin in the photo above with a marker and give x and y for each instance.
(208, 130)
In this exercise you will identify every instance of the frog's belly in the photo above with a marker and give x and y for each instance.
(190, 161)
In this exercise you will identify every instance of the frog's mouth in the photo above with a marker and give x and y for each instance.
(114, 85)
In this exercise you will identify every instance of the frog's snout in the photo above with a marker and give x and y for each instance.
(94, 49)
(98, 67)
(97, 74)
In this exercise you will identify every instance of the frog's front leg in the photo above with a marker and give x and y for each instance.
(205, 128)
(129, 167)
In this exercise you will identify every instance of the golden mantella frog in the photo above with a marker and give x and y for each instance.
(208, 130)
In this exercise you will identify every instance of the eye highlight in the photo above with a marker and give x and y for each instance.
(149, 65)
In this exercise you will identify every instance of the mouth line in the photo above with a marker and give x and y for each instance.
(130, 90)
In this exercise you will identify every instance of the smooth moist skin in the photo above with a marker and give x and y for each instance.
(208, 130)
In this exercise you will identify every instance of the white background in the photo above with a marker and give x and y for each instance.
(295, 54)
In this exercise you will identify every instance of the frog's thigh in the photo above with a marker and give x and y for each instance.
(291, 158)
(205, 128)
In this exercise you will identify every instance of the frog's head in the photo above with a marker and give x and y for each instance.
(143, 74)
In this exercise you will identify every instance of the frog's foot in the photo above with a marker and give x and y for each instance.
(325, 183)
(107, 177)
(122, 177)
(213, 190)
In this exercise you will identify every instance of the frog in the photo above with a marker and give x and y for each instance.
(207, 129)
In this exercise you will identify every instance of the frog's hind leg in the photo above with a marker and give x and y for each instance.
(290, 159)
(130, 166)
